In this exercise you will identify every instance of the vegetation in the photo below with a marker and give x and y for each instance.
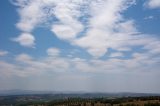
(48, 100)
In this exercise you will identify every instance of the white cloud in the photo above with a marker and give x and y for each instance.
(67, 12)
(99, 27)
(117, 54)
(153, 4)
(124, 49)
(25, 39)
(9, 69)
(56, 73)
(107, 29)
(24, 58)
(31, 14)
(37, 12)
(94, 42)
(53, 52)
(103, 27)
(3, 53)
(65, 32)
(25, 65)
(149, 17)
(153, 47)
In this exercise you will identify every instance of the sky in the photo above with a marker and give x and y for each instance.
(80, 45)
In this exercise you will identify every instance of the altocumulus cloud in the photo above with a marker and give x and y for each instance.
(26, 65)
(105, 50)
(105, 28)
(25, 39)
(111, 30)
(3, 53)
(153, 4)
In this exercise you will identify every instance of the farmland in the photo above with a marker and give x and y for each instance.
(75, 100)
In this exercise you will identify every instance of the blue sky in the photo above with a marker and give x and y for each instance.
(80, 45)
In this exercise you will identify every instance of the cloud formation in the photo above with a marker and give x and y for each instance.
(24, 65)
(101, 27)
(103, 45)
(53, 52)
(95, 25)
(110, 22)
(118, 54)
(153, 4)
(25, 39)
(3, 53)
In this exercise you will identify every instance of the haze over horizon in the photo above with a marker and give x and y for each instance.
(80, 45)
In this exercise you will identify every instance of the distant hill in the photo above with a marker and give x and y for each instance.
(74, 94)
(21, 92)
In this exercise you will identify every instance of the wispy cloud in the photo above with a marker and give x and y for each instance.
(3, 53)
(105, 28)
(68, 25)
(105, 43)
(31, 14)
(53, 52)
(149, 17)
(152, 4)
(117, 54)
(25, 65)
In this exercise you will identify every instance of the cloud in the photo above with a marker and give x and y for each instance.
(95, 25)
(3, 53)
(25, 39)
(9, 69)
(40, 12)
(34, 13)
(24, 58)
(30, 13)
(117, 54)
(101, 28)
(68, 26)
(24, 65)
(53, 52)
(149, 17)
(108, 28)
(65, 32)
(153, 47)
(63, 74)
(152, 4)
